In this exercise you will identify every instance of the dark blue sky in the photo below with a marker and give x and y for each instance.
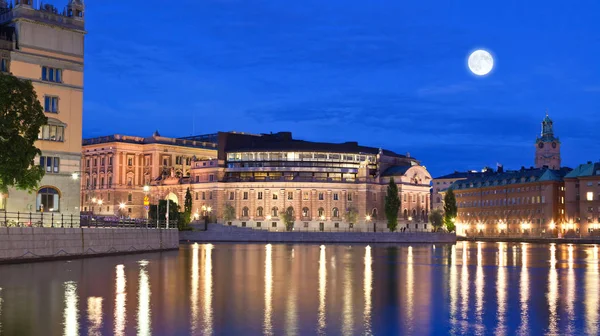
(388, 74)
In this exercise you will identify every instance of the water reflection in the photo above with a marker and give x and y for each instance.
(144, 313)
(267, 325)
(94, 306)
(322, 290)
(194, 290)
(592, 292)
(479, 288)
(524, 292)
(291, 317)
(368, 288)
(453, 284)
(71, 312)
(570, 290)
(347, 320)
(0, 311)
(464, 284)
(120, 301)
(410, 279)
(208, 290)
(501, 289)
(553, 292)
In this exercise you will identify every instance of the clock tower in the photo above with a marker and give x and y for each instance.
(547, 147)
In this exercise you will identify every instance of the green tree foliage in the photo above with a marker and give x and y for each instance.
(21, 117)
(436, 217)
(228, 212)
(288, 218)
(392, 205)
(162, 208)
(351, 215)
(186, 215)
(450, 210)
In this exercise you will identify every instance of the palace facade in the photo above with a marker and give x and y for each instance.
(116, 168)
(46, 46)
(321, 185)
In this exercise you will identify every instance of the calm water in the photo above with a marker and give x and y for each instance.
(253, 289)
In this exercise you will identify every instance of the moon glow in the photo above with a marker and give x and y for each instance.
(481, 62)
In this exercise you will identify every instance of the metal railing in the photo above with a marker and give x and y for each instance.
(59, 220)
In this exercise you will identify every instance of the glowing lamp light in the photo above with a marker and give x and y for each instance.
(209, 209)
(409, 218)
(368, 218)
(74, 176)
(146, 188)
(99, 202)
(196, 215)
(121, 205)
(480, 226)
(552, 225)
(94, 199)
(322, 217)
(268, 217)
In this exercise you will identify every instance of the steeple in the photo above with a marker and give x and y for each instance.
(76, 9)
(547, 131)
(547, 152)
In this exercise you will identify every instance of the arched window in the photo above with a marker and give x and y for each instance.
(290, 211)
(414, 214)
(374, 213)
(305, 212)
(48, 199)
(274, 212)
(335, 213)
(259, 212)
(321, 212)
(405, 214)
(245, 212)
(423, 215)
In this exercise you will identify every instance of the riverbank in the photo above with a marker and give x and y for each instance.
(18, 245)
(220, 233)
(535, 240)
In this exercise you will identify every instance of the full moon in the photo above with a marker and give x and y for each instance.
(481, 62)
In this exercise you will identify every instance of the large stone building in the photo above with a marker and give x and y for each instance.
(322, 185)
(116, 168)
(46, 46)
(582, 194)
(442, 183)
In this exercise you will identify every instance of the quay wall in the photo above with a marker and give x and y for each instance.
(247, 235)
(533, 240)
(24, 244)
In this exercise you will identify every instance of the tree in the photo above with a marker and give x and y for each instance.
(186, 215)
(162, 208)
(228, 212)
(392, 205)
(450, 210)
(21, 117)
(351, 215)
(288, 218)
(436, 217)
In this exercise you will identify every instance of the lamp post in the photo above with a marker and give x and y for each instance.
(146, 203)
(368, 219)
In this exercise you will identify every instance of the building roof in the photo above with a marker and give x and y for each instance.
(586, 169)
(396, 171)
(154, 139)
(524, 175)
(463, 175)
(283, 141)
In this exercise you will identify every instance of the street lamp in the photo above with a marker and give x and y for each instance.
(75, 176)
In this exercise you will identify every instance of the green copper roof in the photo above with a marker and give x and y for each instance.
(586, 169)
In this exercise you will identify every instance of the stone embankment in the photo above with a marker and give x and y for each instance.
(533, 240)
(220, 233)
(32, 244)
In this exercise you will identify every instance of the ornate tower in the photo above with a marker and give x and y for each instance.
(547, 147)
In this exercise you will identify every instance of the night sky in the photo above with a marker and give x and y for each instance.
(388, 74)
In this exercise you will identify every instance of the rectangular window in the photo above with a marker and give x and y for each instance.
(274, 196)
(589, 184)
(197, 178)
(50, 104)
(102, 161)
(52, 74)
(543, 199)
(110, 181)
(3, 65)
(245, 195)
(196, 196)
(231, 196)
(349, 197)
(290, 195)
(204, 195)
(51, 133)
(210, 195)
(50, 164)
(335, 196)
(590, 195)
(110, 160)
(87, 163)
(260, 195)
(130, 162)
(321, 197)
(129, 198)
(108, 195)
(165, 162)
(56, 164)
(211, 178)
(305, 196)
(274, 224)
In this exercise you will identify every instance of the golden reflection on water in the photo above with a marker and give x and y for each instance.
(553, 292)
(570, 290)
(267, 325)
(94, 306)
(524, 292)
(348, 320)
(368, 288)
(322, 289)
(71, 312)
(208, 294)
(291, 311)
(592, 292)
(194, 290)
(120, 301)
(410, 287)
(144, 314)
(479, 286)
(1, 311)
(453, 285)
(464, 283)
(501, 288)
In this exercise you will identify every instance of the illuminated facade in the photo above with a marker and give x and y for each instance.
(116, 168)
(582, 193)
(46, 46)
(440, 184)
(322, 185)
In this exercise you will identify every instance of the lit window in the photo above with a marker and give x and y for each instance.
(590, 195)
(274, 196)
(52, 133)
(305, 196)
(48, 199)
(129, 198)
(290, 195)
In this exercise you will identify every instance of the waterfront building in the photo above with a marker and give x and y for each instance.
(46, 46)
(440, 184)
(323, 186)
(116, 169)
(582, 194)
